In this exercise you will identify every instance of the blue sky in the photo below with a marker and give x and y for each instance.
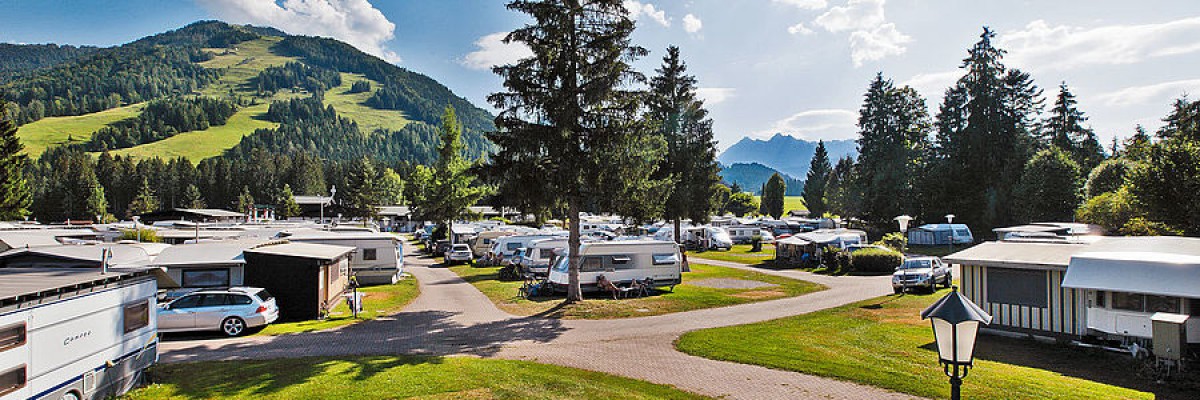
(797, 67)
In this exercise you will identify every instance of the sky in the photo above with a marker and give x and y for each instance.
(796, 67)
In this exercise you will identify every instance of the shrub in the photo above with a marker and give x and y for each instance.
(875, 261)
(1107, 177)
(1138, 226)
(147, 235)
(895, 241)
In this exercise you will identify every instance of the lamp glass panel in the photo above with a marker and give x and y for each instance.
(967, 332)
(943, 334)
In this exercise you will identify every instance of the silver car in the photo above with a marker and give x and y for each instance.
(230, 311)
(459, 254)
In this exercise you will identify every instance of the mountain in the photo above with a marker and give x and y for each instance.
(210, 88)
(752, 176)
(785, 153)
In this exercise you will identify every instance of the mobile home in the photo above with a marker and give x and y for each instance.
(307, 279)
(503, 248)
(378, 258)
(483, 242)
(75, 333)
(541, 254)
(940, 235)
(623, 260)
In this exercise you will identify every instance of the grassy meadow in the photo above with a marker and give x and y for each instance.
(48, 132)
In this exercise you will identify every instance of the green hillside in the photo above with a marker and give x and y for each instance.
(237, 57)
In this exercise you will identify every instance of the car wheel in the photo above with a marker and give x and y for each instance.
(896, 290)
(69, 396)
(233, 326)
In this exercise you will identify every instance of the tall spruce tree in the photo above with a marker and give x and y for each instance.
(984, 138)
(568, 126)
(772, 196)
(682, 121)
(143, 201)
(814, 184)
(357, 193)
(1049, 187)
(893, 145)
(285, 205)
(451, 189)
(1064, 129)
(15, 194)
(843, 192)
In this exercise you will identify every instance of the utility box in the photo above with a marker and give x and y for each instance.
(1170, 335)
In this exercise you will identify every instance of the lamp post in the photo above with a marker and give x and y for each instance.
(903, 220)
(332, 192)
(955, 321)
(137, 230)
(949, 222)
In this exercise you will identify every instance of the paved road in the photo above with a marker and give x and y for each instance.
(451, 317)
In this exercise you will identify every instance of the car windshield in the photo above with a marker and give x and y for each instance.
(461, 247)
(915, 264)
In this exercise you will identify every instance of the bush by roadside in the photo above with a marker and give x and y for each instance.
(875, 261)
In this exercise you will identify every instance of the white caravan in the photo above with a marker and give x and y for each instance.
(378, 260)
(483, 242)
(715, 238)
(541, 254)
(745, 234)
(503, 248)
(75, 333)
(623, 261)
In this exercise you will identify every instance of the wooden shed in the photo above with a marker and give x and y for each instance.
(307, 279)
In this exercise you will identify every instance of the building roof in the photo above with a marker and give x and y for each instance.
(304, 250)
(1155, 273)
(16, 283)
(822, 236)
(1032, 228)
(222, 252)
(29, 238)
(122, 254)
(211, 212)
(1019, 254)
(313, 200)
(394, 211)
(305, 234)
(941, 227)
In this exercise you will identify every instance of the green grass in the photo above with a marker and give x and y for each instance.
(381, 300)
(686, 297)
(350, 105)
(239, 68)
(883, 342)
(211, 142)
(789, 203)
(391, 378)
(48, 132)
(740, 253)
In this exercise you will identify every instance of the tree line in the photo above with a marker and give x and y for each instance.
(162, 119)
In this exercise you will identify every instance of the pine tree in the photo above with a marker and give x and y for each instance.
(356, 196)
(245, 201)
(682, 121)
(144, 201)
(451, 187)
(191, 198)
(97, 204)
(772, 197)
(893, 145)
(984, 138)
(567, 129)
(286, 206)
(1064, 129)
(15, 194)
(814, 184)
(843, 194)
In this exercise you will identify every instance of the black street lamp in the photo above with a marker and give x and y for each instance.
(955, 325)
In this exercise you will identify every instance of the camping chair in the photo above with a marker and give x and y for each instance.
(641, 288)
(606, 285)
(531, 287)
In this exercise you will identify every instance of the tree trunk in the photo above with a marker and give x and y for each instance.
(574, 292)
(676, 230)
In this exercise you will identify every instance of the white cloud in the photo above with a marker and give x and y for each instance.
(1160, 94)
(692, 24)
(715, 95)
(804, 4)
(1041, 45)
(799, 29)
(356, 22)
(831, 124)
(934, 84)
(493, 51)
(638, 9)
(871, 36)
(855, 15)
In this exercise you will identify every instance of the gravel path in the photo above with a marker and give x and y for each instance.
(451, 317)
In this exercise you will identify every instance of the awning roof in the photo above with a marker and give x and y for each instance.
(1015, 254)
(1154, 273)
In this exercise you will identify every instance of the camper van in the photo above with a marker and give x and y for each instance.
(75, 333)
(378, 260)
(712, 238)
(483, 242)
(538, 257)
(503, 248)
(745, 234)
(622, 261)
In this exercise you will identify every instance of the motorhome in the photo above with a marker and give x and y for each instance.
(503, 248)
(541, 254)
(75, 333)
(483, 242)
(746, 233)
(708, 237)
(623, 261)
(378, 260)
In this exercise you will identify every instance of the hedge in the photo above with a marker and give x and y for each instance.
(875, 260)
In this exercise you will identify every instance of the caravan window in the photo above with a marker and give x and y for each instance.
(591, 264)
(206, 278)
(1128, 301)
(546, 253)
(665, 259)
(621, 262)
(12, 336)
(369, 254)
(12, 380)
(512, 246)
(1162, 304)
(137, 316)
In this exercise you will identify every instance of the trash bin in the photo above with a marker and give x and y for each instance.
(354, 301)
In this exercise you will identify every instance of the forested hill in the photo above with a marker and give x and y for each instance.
(750, 177)
(216, 82)
(785, 153)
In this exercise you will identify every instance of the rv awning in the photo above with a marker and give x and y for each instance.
(1160, 274)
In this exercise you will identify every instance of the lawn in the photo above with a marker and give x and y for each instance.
(789, 203)
(47, 132)
(883, 342)
(211, 142)
(391, 378)
(686, 297)
(350, 105)
(381, 300)
(740, 253)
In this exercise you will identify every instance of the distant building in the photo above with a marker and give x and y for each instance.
(193, 214)
(307, 279)
(82, 256)
(940, 234)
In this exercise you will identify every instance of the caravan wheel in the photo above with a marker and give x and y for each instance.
(70, 396)
(233, 326)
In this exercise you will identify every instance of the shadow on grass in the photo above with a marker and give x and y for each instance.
(264, 378)
(1089, 364)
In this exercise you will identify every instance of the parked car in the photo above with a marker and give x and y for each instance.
(460, 253)
(231, 311)
(921, 272)
(441, 247)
